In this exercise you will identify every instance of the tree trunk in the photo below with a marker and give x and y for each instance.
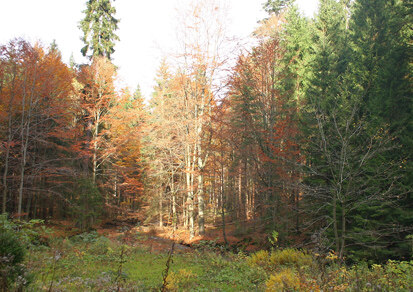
(343, 231)
(335, 223)
(160, 209)
(95, 149)
(6, 167)
(223, 203)
(190, 188)
(174, 214)
(201, 220)
(9, 138)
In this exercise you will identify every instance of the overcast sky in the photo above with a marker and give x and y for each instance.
(146, 29)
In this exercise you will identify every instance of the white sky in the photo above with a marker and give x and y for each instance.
(146, 29)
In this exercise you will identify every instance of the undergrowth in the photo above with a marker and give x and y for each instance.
(91, 262)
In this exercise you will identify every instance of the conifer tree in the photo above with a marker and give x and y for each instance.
(380, 63)
(98, 27)
(276, 6)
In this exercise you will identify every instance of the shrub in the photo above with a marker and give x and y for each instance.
(12, 254)
(29, 233)
(290, 257)
(86, 237)
(260, 258)
(285, 280)
(87, 203)
(100, 247)
(180, 280)
(392, 276)
(280, 258)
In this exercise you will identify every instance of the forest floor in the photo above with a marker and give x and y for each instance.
(238, 237)
(123, 255)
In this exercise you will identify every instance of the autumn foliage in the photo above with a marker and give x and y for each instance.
(59, 124)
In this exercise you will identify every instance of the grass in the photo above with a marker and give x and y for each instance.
(79, 265)
(90, 262)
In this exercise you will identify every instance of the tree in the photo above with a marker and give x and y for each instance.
(380, 33)
(98, 27)
(264, 115)
(166, 147)
(124, 121)
(97, 93)
(10, 94)
(37, 91)
(202, 37)
(276, 6)
(350, 172)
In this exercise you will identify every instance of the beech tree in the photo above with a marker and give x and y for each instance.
(97, 93)
(124, 125)
(10, 93)
(167, 127)
(202, 36)
(37, 91)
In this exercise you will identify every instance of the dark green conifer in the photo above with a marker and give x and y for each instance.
(98, 27)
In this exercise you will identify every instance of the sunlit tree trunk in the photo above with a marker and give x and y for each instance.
(9, 139)
(160, 208)
(25, 131)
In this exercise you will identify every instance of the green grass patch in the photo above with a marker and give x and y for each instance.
(94, 263)
(97, 264)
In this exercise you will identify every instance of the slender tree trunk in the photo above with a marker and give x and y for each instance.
(335, 225)
(6, 169)
(190, 163)
(200, 192)
(343, 230)
(9, 138)
(22, 167)
(191, 213)
(201, 220)
(223, 202)
(23, 162)
(239, 198)
(174, 214)
(160, 209)
(115, 190)
(25, 142)
(184, 213)
(95, 149)
(213, 194)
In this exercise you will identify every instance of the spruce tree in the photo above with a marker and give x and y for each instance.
(98, 27)
(381, 62)
(355, 106)
(276, 6)
(324, 114)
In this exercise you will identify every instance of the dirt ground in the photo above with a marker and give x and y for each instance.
(159, 239)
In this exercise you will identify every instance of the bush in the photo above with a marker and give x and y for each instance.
(29, 233)
(86, 237)
(260, 258)
(290, 257)
(280, 258)
(180, 280)
(393, 276)
(100, 246)
(285, 280)
(87, 203)
(12, 254)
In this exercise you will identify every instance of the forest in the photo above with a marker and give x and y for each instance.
(283, 166)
